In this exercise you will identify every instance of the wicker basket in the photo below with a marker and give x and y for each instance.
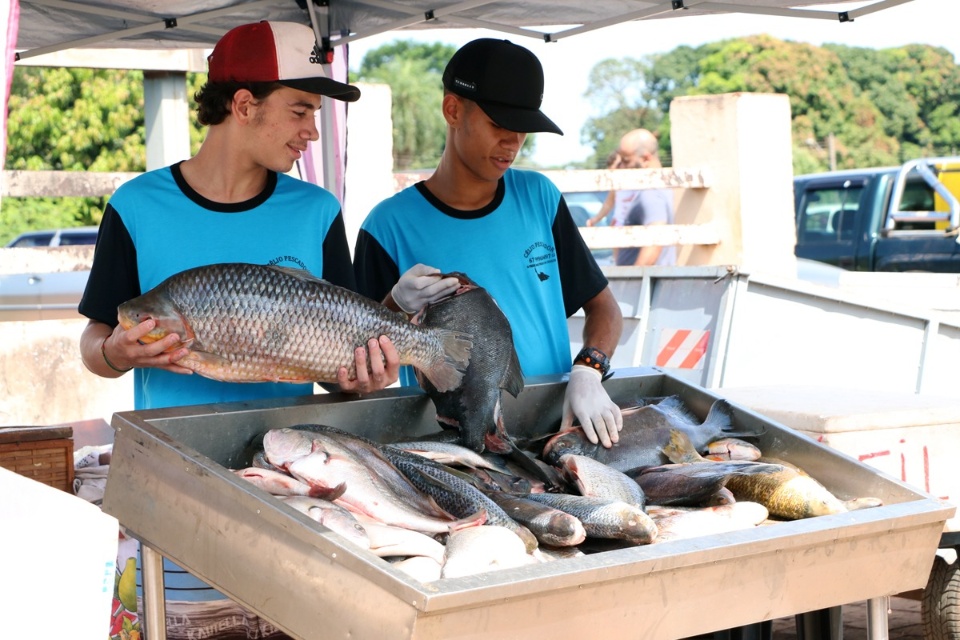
(44, 454)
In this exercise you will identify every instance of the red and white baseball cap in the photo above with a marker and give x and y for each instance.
(284, 52)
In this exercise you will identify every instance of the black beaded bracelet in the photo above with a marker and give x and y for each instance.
(103, 352)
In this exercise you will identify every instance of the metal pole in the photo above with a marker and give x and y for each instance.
(154, 608)
(877, 609)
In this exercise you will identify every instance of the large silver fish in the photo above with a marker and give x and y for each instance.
(551, 526)
(455, 495)
(370, 489)
(603, 518)
(596, 479)
(474, 406)
(683, 523)
(259, 323)
(332, 516)
(483, 549)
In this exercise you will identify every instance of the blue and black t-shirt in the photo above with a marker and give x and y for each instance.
(523, 247)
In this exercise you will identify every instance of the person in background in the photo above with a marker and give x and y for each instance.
(231, 202)
(639, 150)
(617, 202)
(508, 229)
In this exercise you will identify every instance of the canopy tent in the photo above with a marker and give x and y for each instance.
(54, 25)
(38, 27)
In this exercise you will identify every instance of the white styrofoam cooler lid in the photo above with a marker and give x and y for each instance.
(821, 409)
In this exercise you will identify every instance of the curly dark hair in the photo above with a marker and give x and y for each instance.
(214, 98)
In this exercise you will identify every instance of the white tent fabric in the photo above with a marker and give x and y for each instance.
(53, 25)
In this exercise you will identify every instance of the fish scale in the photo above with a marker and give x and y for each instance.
(259, 323)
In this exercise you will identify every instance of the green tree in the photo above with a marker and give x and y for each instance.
(880, 106)
(74, 119)
(414, 73)
(618, 87)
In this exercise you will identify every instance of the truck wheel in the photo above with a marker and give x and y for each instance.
(940, 606)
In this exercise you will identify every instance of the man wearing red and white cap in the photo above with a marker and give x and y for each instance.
(231, 202)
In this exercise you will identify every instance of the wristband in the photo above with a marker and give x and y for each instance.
(103, 352)
(595, 359)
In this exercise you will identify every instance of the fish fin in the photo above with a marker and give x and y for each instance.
(862, 503)
(523, 461)
(327, 493)
(446, 374)
(720, 417)
(513, 376)
(475, 520)
(298, 273)
(680, 449)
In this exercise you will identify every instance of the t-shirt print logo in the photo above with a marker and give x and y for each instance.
(537, 256)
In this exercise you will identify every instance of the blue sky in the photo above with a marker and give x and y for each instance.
(567, 63)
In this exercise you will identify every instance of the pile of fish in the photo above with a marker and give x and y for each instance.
(439, 510)
(469, 499)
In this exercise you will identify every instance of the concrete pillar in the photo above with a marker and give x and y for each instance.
(744, 140)
(166, 112)
(369, 174)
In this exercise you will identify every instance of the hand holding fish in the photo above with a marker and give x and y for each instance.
(378, 371)
(420, 286)
(587, 401)
(139, 348)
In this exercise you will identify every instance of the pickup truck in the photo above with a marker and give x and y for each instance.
(903, 218)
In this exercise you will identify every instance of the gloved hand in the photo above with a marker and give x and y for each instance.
(421, 285)
(588, 402)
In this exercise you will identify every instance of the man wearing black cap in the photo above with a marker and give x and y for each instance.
(232, 202)
(509, 230)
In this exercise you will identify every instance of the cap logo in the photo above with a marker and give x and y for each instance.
(316, 56)
(463, 84)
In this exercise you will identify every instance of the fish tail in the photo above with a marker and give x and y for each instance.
(446, 372)
(720, 417)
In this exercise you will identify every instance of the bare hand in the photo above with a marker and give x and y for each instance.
(378, 371)
(127, 349)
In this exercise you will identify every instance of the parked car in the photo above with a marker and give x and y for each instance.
(902, 218)
(55, 237)
(583, 205)
(41, 296)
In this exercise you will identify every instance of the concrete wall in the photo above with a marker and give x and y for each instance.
(44, 382)
(744, 139)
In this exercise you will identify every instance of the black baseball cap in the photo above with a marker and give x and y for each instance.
(504, 79)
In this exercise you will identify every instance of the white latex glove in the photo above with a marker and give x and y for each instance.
(588, 402)
(421, 285)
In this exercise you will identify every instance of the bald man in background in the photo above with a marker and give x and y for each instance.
(639, 150)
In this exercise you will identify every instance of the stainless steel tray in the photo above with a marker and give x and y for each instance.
(170, 486)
